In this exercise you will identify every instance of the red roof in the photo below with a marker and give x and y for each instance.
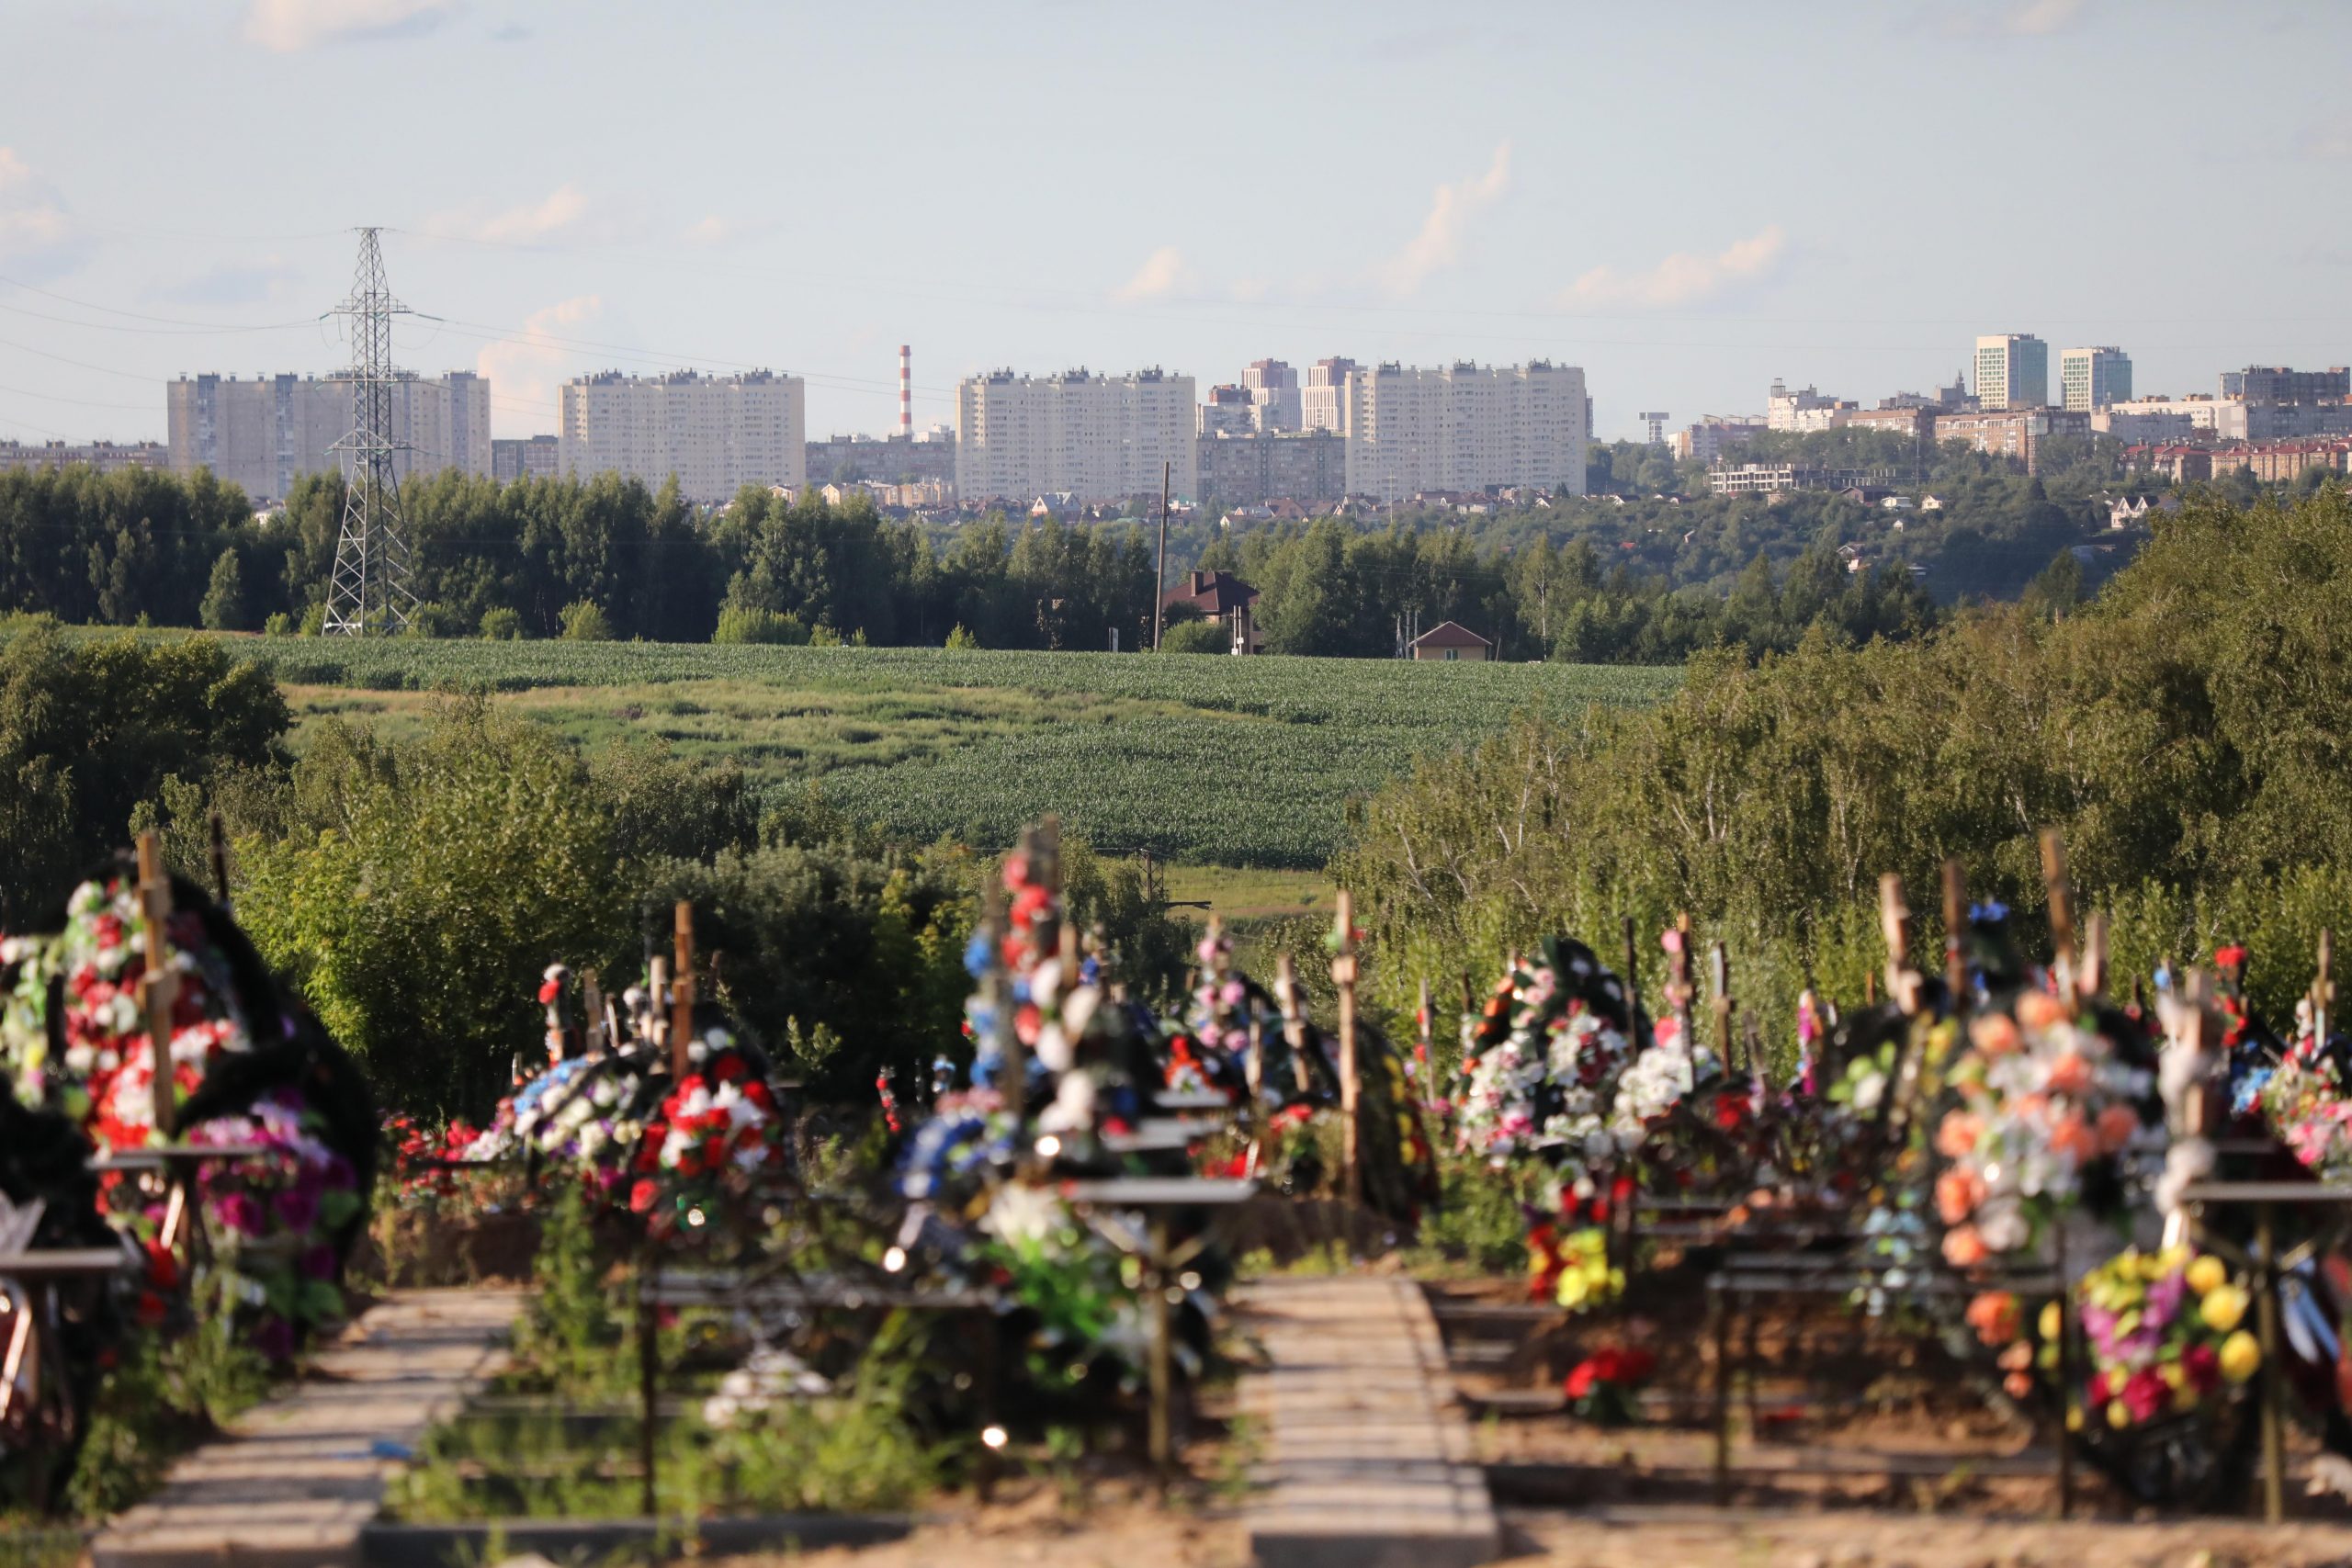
(1450, 634)
(1214, 592)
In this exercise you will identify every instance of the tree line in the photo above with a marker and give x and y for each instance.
(607, 557)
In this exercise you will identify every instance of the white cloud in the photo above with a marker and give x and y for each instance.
(37, 233)
(558, 214)
(289, 26)
(1163, 273)
(524, 370)
(712, 230)
(1681, 278)
(1439, 244)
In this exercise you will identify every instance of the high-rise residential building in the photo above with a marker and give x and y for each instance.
(1273, 391)
(1090, 437)
(2012, 372)
(532, 458)
(1229, 411)
(717, 434)
(2017, 432)
(1323, 403)
(2270, 384)
(1465, 427)
(264, 433)
(2091, 379)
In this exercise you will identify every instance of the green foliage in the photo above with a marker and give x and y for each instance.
(223, 609)
(279, 624)
(742, 624)
(960, 640)
(499, 624)
(2184, 732)
(414, 892)
(92, 728)
(810, 938)
(1196, 637)
(584, 621)
(570, 1338)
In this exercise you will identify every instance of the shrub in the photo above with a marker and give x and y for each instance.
(584, 621)
(1196, 637)
(751, 624)
(502, 625)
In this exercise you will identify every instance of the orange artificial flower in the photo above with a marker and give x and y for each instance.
(2069, 1074)
(1957, 1134)
(2040, 1009)
(1994, 1033)
(1957, 1194)
(1964, 1249)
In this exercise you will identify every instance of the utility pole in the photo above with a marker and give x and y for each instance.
(1159, 584)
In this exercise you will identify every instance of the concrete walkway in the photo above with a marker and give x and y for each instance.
(294, 1480)
(1367, 1462)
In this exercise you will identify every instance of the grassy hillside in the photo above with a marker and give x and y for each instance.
(1200, 758)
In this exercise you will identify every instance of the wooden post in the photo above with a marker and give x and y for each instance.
(1343, 975)
(597, 1039)
(1720, 964)
(2062, 912)
(2093, 980)
(220, 835)
(681, 991)
(1894, 923)
(2323, 990)
(1677, 980)
(656, 1018)
(1955, 936)
(1294, 1018)
(2265, 1304)
(159, 987)
(1163, 1379)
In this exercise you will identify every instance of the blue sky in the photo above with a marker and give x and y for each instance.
(1687, 200)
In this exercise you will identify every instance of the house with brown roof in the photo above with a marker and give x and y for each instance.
(1221, 596)
(1452, 642)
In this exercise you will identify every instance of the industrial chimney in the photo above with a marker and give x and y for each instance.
(906, 393)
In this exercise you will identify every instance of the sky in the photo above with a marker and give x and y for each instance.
(1688, 200)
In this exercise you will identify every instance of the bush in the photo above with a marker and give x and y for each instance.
(751, 623)
(1196, 637)
(315, 619)
(502, 625)
(584, 621)
(279, 624)
(961, 638)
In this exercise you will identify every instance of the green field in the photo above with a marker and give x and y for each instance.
(1199, 758)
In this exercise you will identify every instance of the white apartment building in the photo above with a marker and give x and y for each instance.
(264, 433)
(2012, 372)
(2092, 378)
(717, 434)
(1091, 437)
(1323, 403)
(1230, 410)
(1465, 427)
(1806, 410)
(1272, 387)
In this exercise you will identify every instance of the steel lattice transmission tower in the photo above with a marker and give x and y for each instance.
(369, 591)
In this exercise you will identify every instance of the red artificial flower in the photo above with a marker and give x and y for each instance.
(642, 1196)
(2204, 1366)
(150, 1309)
(730, 1067)
(163, 1268)
(1581, 1378)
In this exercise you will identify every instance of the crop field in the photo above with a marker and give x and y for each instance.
(1197, 759)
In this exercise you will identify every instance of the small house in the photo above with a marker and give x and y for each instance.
(1221, 596)
(1453, 643)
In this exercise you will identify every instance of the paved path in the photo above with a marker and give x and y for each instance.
(1367, 1462)
(294, 1480)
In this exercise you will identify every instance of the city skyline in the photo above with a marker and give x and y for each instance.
(1051, 230)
